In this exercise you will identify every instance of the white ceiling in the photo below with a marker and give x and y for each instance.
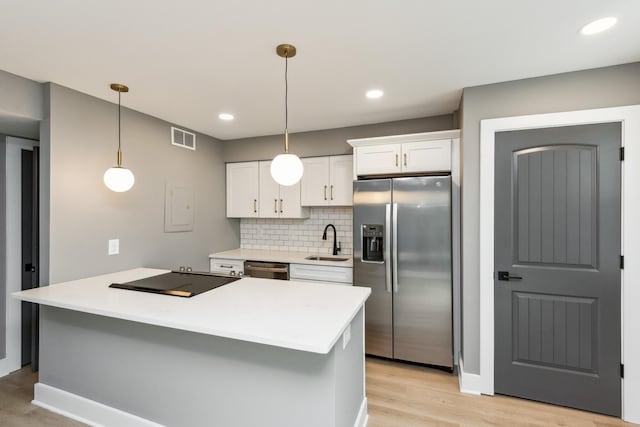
(186, 61)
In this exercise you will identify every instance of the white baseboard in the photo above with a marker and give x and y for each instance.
(469, 383)
(363, 416)
(4, 370)
(85, 410)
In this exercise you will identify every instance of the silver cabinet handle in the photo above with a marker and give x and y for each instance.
(255, 206)
(332, 192)
(395, 247)
(280, 205)
(396, 160)
(275, 205)
(325, 192)
(387, 248)
(405, 159)
(226, 266)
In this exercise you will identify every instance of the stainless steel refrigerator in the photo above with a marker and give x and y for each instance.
(402, 251)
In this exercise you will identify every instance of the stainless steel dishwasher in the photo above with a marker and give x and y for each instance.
(266, 270)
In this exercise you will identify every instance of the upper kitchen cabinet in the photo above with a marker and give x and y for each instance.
(401, 154)
(278, 201)
(243, 190)
(327, 181)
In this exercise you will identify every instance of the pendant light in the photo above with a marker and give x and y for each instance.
(286, 168)
(117, 178)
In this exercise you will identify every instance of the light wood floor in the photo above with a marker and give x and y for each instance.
(399, 395)
(407, 395)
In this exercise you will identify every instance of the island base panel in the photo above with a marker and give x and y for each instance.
(179, 378)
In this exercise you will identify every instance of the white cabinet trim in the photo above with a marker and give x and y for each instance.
(398, 139)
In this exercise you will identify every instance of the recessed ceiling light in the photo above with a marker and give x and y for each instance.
(374, 93)
(599, 26)
(225, 116)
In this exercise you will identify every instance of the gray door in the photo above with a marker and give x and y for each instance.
(422, 299)
(557, 266)
(372, 205)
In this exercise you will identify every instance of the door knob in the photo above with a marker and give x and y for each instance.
(504, 275)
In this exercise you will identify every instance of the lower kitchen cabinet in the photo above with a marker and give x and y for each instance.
(321, 274)
(226, 266)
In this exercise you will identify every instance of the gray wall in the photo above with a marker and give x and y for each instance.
(327, 142)
(20, 106)
(603, 87)
(3, 248)
(82, 141)
(20, 97)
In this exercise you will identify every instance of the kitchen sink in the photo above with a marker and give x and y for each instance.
(325, 258)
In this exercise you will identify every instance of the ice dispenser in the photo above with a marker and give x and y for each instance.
(372, 242)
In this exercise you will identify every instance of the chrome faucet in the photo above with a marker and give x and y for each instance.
(336, 247)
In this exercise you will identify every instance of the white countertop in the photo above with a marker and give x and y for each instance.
(289, 314)
(281, 256)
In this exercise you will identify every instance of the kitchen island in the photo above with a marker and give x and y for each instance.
(254, 352)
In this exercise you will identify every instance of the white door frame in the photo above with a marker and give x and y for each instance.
(629, 116)
(13, 357)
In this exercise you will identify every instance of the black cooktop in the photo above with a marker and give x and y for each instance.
(177, 284)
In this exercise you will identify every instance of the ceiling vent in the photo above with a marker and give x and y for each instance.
(182, 138)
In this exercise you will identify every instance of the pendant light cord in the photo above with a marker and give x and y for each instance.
(286, 103)
(119, 130)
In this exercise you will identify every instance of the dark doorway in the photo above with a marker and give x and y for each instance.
(30, 253)
(558, 266)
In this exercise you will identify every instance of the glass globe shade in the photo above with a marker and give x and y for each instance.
(119, 179)
(286, 169)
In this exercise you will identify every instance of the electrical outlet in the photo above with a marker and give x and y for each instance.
(114, 247)
(346, 337)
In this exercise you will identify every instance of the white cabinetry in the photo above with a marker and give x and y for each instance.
(327, 181)
(242, 190)
(427, 156)
(399, 154)
(226, 266)
(252, 193)
(378, 159)
(321, 274)
(278, 201)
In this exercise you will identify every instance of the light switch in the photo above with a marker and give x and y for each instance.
(346, 337)
(114, 246)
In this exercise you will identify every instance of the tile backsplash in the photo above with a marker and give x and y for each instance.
(300, 235)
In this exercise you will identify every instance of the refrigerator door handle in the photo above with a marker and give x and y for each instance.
(387, 249)
(395, 247)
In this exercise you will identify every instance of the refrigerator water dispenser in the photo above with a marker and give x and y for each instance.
(372, 242)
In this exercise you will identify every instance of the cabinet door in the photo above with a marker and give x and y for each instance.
(378, 159)
(426, 156)
(341, 180)
(242, 190)
(289, 202)
(314, 185)
(269, 193)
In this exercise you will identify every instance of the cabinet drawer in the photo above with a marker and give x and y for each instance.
(226, 266)
(321, 273)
